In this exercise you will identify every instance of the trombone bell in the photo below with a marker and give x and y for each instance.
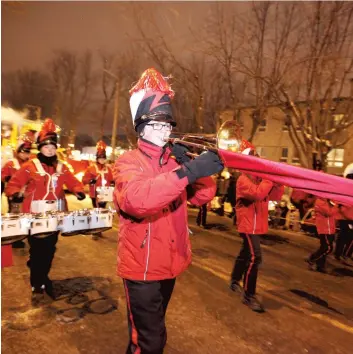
(228, 137)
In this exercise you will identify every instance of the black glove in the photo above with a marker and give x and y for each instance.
(17, 198)
(93, 181)
(207, 164)
(7, 178)
(179, 152)
(80, 195)
(112, 184)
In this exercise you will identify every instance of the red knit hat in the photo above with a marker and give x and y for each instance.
(101, 150)
(47, 135)
(151, 99)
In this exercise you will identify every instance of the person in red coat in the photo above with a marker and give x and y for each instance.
(151, 194)
(12, 166)
(97, 175)
(252, 197)
(44, 178)
(325, 219)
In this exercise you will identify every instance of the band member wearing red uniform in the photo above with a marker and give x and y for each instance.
(252, 197)
(44, 178)
(8, 170)
(151, 193)
(325, 219)
(98, 175)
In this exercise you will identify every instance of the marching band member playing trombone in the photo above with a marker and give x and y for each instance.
(98, 175)
(44, 178)
(151, 194)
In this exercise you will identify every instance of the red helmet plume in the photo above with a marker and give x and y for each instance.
(47, 134)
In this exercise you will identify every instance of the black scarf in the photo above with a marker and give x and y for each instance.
(50, 161)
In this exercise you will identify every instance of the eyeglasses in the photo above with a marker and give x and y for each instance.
(160, 126)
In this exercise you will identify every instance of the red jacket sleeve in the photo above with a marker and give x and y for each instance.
(17, 181)
(202, 191)
(346, 212)
(140, 195)
(276, 192)
(247, 189)
(88, 176)
(72, 183)
(6, 170)
(323, 207)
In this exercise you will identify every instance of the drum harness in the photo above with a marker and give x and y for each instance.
(52, 179)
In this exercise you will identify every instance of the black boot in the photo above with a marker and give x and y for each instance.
(253, 303)
(38, 295)
(236, 287)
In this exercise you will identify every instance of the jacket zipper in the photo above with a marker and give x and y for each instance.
(148, 235)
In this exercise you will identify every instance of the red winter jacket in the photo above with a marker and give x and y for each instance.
(10, 168)
(94, 171)
(325, 217)
(253, 196)
(38, 186)
(153, 241)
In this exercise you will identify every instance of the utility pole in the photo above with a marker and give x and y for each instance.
(116, 110)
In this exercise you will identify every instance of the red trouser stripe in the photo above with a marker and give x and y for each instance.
(134, 334)
(329, 249)
(252, 262)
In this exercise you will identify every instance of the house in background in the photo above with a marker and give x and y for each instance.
(273, 142)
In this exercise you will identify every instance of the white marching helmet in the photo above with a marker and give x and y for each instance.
(348, 170)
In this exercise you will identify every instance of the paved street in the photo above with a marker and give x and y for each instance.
(307, 312)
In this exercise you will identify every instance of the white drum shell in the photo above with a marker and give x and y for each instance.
(14, 229)
(44, 225)
(100, 221)
(73, 224)
(105, 194)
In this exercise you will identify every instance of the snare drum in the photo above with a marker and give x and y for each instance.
(14, 227)
(43, 225)
(73, 223)
(105, 194)
(100, 220)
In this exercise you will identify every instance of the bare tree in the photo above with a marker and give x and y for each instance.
(316, 87)
(73, 79)
(188, 75)
(28, 87)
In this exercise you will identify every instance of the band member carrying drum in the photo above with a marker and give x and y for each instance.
(99, 177)
(44, 178)
(22, 155)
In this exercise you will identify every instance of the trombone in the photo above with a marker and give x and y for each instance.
(228, 137)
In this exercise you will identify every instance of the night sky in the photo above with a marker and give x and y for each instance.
(31, 31)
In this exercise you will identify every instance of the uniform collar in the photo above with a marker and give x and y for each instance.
(153, 151)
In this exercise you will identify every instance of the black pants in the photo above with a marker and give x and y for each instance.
(344, 241)
(202, 215)
(41, 255)
(326, 246)
(147, 303)
(98, 204)
(247, 263)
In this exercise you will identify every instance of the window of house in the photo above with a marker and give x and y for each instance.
(335, 158)
(261, 151)
(285, 126)
(262, 125)
(284, 155)
(295, 156)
